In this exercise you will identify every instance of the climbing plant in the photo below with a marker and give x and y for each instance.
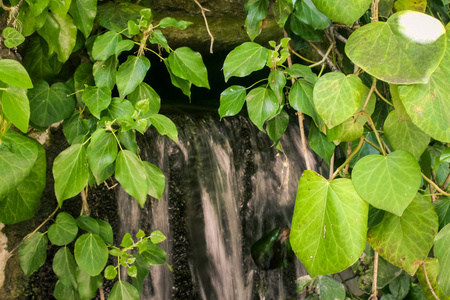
(371, 80)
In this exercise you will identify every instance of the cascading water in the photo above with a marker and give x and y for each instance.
(225, 188)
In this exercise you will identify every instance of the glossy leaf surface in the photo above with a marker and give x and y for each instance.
(64, 230)
(334, 9)
(91, 253)
(245, 59)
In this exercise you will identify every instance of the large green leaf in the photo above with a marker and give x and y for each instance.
(301, 99)
(232, 100)
(442, 252)
(337, 97)
(146, 92)
(65, 268)
(13, 73)
(277, 82)
(165, 126)
(330, 289)
(442, 207)
(343, 11)
(307, 12)
(245, 59)
(131, 174)
(303, 30)
(60, 7)
(400, 286)
(154, 255)
(298, 70)
(88, 224)
(405, 49)
(105, 72)
(156, 180)
(82, 77)
(432, 267)
(106, 232)
(101, 152)
(115, 16)
(64, 230)
(388, 182)
(281, 10)
(405, 241)
(71, 172)
(91, 253)
(182, 84)
(97, 99)
(261, 104)
(49, 105)
(328, 232)
(189, 65)
(131, 73)
(16, 106)
(33, 253)
(38, 63)
(62, 292)
(83, 13)
(88, 285)
(404, 135)
(67, 37)
(105, 45)
(122, 290)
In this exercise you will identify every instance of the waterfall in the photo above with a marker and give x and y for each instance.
(226, 186)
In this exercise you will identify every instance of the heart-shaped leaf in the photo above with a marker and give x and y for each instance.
(13, 73)
(101, 152)
(307, 12)
(165, 126)
(344, 11)
(400, 241)
(232, 100)
(261, 104)
(405, 49)
(245, 59)
(442, 252)
(105, 45)
(105, 72)
(12, 37)
(97, 99)
(388, 182)
(131, 73)
(122, 290)
(64, 230)
(329, 226)
(91, 253)
(189, 65)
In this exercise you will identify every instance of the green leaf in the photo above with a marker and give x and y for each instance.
(189, 65)
(351, 130)
(91, 253)
(60, 7)
(110, 272)
(432, 267)
(62, 292)
(146, 92)
(83, 13)
(303, 30)
(330, 289)
(154, 255)
(105, 45)
(365, 150)
(89, 224)
(158, 38)
(12, 37)
(165, 126)
(49, 105)
(13, 73)
(245, 59)
(180, 83)
(232, 100)
(132, 271)
(101, 153)
(67, 37)
(74, 127)
(131, 73)
(156, 180)
(307, 12)
(157, 237)
(64, 230)
(50, 32)
(120, 108)
(97, 99)
(337, 97)
(131, 174)
(65, 268)
(127, 241)
(38, 63)
(416, 5)
(399, 50)
(70, 166)
(37, 6)
(33, 253)
(388, 182)
(124, 45)
(399, 287)
(115, 16)
(87, 285)
(281, 10)
(329, 225)
(123, 290)
(297, 70)
(442, 252)
(105, 72)
(277, 126)
(405, 241)
(320, 144)
(256, 11)
(128, 139)
(354, 9)
(277, 82)
(82, 77)
(106, 232)
(16, 107)
(442, 207)
(404, 135)
(169, 21)
(301, 99)
(261, 104)
(133, 28)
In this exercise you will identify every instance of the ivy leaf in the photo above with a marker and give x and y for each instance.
(115, 16)
(13, 73)
(12, 37)
(337, 97)
(388, 182)
(232, 100)
(165, 126)
(156, 180)
(189, 65)
(277, 126)
(49, 105)
(91, 253)
(330, 288)
(301, 99)
(329, 225)
(105, 72)
(74, 127)
(442, 252)
(399, 287)
(245, 59)
(33, 253)
(182, 84)
(67, 37)
(320, 144)
(157, 237)
(158, 38)
(131, 73)
(124, 45)
(261, 104)
(88, 224)
(399, 50)
(105, 45)
(82, 77)
(97, 99)
(418, 5)
(60, 7)
(16, 106)
(307, 13)
(303, 30)
(146, 92)
(442, 207)
(65, 268)
(432, 267)
(37, 6)
(354, 9)
(256, 11)
(101, 153)
(128, 139)
(131, 174)
(123, 290)
(351, 130)
(154, 255)
(64, 230)
(277, 82)
(110, 272)
(38, 63)
(83, 13)
(169, 21)
(297, 70)
(281, 10)
(106, 232)
(62, 292)
(88, 285)
(70, 166)
(400, 241)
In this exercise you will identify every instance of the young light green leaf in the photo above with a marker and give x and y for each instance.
(97, 99)
(189, 65)
(88, 224)
(131, 73)
(16, 106)
(64, 230)
(261, 104)
(33, 253)
(156, 180)
(105, 45)
(12, 37)
(60, 7)
(101, 153)
(400, 241)
(442, 252)
(131, 174)
(132, 271)
(122, 290)
(307, 12)
(165, 126)
(110, 272)
(320, 144)
(37, 6)
(351, 130)
(157, 237)
(398, 51)
(330, 289)
(146, 92)
(337, 97)
(388, 182)
(133, 28)
(106, 232)
(281, 10)
(329, 225)
(65, 268)
(105, 72)
(354, 9)
(127, 241)
(13, 73)
(232, 100)
(245, 59)
(91, 253)
(169, 21)
(277, 125)
(70, 166)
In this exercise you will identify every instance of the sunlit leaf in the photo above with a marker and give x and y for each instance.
(232, 100)
(122, 290)
(12, 37)
(245, 59)
(165, 126)
(131, 73)
(16, 106)
(169, 21)
(261, 104)
(96, 99)
(13, 73)
(189, 65)
(105, 45)
(442, 252)
(156, 180)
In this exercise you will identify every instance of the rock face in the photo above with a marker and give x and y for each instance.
(216, 7)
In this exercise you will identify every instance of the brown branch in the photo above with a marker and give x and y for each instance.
(4, 6)
(206, 23)
(373, 296)
(331, 165)
(428, 281)
(339, 37)
(85, 205)
(102, 295)
(374, 17)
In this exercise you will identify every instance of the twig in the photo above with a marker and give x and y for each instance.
(382, 98)
(206, 23)
(432, 194)
(435, 185)
(327, 59)
(297, 54)
(84, 206)
(347, 161)
(372, 125)
(331, 165)
(323, 59)
(446, 182)
(372, 144)
(373, 296)
(34, 231)
(4, 6)
(102, 295)
(349, 151)
(428, 281)
(339, 36)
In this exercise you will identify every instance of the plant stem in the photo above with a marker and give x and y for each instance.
(349, 151)
(382, 98)
(435, 185)
(297, 54)
(331, 165)
(446, 182)
(322, 61)
(257, 83)
(428, 281)
(373, 296)
(372, 125)
(372, 144)
(206, 23)
(327, 59)
(374, 17)
(347, 161)
(84, 206)
(34, 231)
(372, 88)
(102, 295)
